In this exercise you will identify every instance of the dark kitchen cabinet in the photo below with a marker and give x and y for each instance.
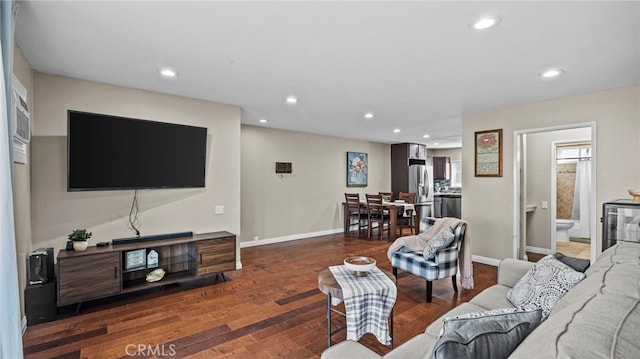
(441, 168)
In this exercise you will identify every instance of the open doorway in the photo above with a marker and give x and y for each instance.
(571, 191)
(541, 198)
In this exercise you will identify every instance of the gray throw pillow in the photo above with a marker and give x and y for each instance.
(542, 286)
(441, 240)
(578, 264)
(489, 334)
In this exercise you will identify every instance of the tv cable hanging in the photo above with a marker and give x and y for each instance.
(134, 221)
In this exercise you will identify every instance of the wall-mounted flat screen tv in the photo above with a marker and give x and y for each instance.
(111, 153)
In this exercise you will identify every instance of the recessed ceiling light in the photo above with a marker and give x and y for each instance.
(292, 99)
(396, 130)
(262, 120)
(436, 144)
(551, 73)
(369, 115)
(168, 73)
(425, 136)
(486, 22)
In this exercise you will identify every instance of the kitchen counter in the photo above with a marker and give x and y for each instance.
(447, 194)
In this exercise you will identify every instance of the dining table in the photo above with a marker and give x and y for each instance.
(393, 208)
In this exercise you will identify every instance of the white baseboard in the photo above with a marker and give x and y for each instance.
(485, 260)
(538, 250)
(293, 237)
(24, 324)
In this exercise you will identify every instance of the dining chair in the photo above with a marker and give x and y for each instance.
(387, 195)
(356, 215)
(376, 214)
(409, 220)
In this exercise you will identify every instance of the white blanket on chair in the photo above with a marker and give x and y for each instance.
(416, 243)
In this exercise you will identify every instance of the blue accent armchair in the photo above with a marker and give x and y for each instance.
(443, 265)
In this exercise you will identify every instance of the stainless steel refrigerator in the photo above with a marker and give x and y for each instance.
(412, 171)
(421, 183)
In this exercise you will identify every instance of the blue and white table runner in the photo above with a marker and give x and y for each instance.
(368, 302)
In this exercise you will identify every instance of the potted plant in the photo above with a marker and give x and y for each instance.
(80, 239)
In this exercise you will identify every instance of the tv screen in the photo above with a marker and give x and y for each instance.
(109, 152)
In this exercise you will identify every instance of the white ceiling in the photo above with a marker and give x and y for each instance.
(417, 65)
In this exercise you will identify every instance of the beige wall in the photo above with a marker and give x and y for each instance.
(539, 167)
(21, 181)
(308, 201)
(56, 212)
(488, 204)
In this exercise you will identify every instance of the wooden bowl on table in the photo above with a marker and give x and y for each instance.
(360, 265)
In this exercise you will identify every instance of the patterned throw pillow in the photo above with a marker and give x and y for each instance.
(489, 334)
(441, 240)
(542, 286)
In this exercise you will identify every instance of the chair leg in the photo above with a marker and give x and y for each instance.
(455, 283)
(395, 273)
(429, 291)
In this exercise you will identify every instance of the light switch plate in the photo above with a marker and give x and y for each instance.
(544, 205)
(219, 209)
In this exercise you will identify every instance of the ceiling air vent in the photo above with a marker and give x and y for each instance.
(283, 167)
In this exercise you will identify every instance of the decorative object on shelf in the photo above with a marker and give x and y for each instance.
(135, 259)
(155, 275)
(488, 153)
(152, 259)
(635, 193)
(357, 169)
(360, 265)
(80, 239)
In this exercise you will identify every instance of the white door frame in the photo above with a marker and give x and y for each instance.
(517, 205)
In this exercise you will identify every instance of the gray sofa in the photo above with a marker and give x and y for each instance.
(597, 318)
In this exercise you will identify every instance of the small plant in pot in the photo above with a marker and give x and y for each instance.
(80, 239)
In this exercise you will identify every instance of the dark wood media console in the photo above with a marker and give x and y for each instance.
(100, 272)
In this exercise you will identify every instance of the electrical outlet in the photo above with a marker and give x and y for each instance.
(544, 205)
(219, 209)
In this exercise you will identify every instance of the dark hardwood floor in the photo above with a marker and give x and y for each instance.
(271, 308)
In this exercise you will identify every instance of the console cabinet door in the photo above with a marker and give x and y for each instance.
(85, 277)
(216, 255)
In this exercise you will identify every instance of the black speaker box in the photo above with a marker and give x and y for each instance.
(40, 302)
(40, 266)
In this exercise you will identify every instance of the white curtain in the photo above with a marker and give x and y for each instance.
(582, 198)
(11, 333)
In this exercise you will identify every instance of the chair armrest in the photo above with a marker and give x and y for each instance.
(511, 270)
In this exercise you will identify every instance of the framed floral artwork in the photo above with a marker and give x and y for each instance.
(357, 169)
(488, 153)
